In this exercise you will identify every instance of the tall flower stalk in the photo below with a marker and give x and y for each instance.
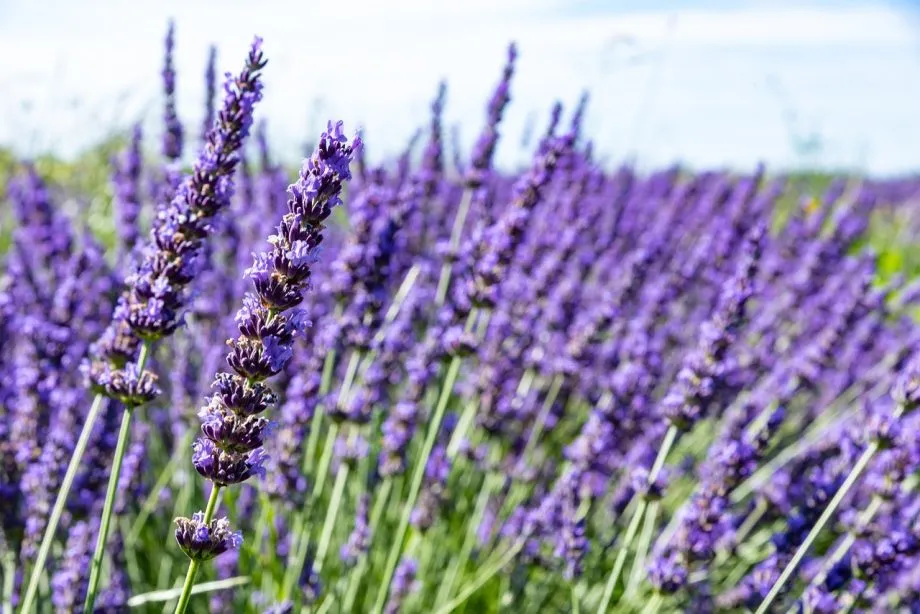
(151, 306)
(906, 393)
(230, 449)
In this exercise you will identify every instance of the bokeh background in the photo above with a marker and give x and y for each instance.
(820, 85)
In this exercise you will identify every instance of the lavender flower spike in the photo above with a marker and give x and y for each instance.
(126, 188)
(152, 304)
(210, 84)
(230, 449)
(172, 137)
(484, 148)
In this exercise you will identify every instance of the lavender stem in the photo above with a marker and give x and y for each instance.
(487, 572)
(357, 573)
(455, 234)
(645, 539)
(121, 446)
(854, 474)
(453, 371)
(341, 479)
(9, 581)
(864, 519)
(620, 561)
(669, 438)
(73, 466)
(653, 605)
(96, 563)
(534, 437)
(469, 540)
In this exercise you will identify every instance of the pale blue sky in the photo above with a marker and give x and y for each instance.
(708, 83)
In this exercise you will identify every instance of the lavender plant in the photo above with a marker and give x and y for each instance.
(572, 388)
(150, 308)
(230, 450)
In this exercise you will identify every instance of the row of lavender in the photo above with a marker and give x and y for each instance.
(572, 389)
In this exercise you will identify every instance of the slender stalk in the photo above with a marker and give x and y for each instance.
(540, 424)
(193, 564)
(326, 605)
(653, 605)
(854, 474)
(72, 468)
(153, 498)
(486, 573)
(95, 568)
(296, 563)
(614, 576)
(332, 510)
(453, 370)
(9, 581)
(645, 540)
(576, 602)
(458, 563)
(669, 438)
(39, 567)
(844, 546)
(317, 421)
(831, 416)
(354, 581)
(183, 501)
(455, 234)
(463, 426)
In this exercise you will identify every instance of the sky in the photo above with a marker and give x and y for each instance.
(707, 83)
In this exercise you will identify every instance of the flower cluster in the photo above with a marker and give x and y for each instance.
(233, 426)
(152, 304)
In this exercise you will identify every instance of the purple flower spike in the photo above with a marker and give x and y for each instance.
(230, 450)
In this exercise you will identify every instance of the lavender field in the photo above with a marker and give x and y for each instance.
(433, 385)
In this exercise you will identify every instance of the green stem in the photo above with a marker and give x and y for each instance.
(303, 543)
(455, 234)
(653, 605)
(453, 370)
(317, 421)
(95, 568)
(376, 514)
(816, 530)
(614, 576)
(669, 438)
(836, 412)
(576, 602)
(194, 564)
(645, 540)
(486, 573)
(459, 562)
(9, 580)
(463, 426)
(840, 551)
(540, 424)
(60, 501)
(153, 498)
(332, 511)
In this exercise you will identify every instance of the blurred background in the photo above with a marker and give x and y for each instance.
(820, 85)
